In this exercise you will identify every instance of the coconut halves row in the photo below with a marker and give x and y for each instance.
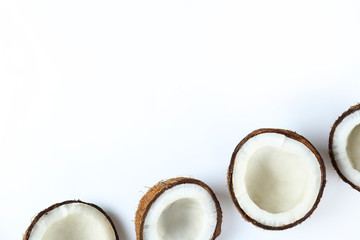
(175, 209)
(276, 179)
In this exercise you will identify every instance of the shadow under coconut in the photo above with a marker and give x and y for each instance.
(322, 146)
(320, 140)
(331, 192)
(123, 235)
(228, 209)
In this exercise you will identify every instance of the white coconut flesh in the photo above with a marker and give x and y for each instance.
(276, 180)
(346, 147)
(183, 212)
(74, 221)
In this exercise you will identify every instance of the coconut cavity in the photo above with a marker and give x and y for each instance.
(276, 178)
(72, 220)
(344, 150)
(353, 147)
(184, 217)
(178, 209)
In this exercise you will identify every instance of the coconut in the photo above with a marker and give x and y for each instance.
(344, 146)
(72, 220)
(276, 178)
(178, 209)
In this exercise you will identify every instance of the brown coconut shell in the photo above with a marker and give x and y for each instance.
(155, 192)
(289, 134)
(52, 207)
(351, 110)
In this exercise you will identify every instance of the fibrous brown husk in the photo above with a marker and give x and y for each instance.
(151, 196)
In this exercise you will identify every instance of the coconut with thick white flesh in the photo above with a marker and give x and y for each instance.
(344, 146)
(178, 209)
(72, 220)
(276, 178)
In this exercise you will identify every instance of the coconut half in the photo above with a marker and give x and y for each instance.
(276, 178)
(72, 220)
(178, 209)
(344, 146)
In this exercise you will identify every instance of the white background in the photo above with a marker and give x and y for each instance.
(99, 99)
